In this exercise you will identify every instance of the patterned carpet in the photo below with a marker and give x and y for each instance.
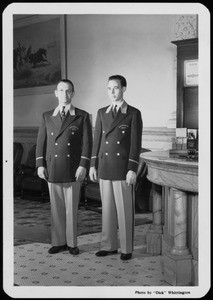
(34, 266)
(32, 221)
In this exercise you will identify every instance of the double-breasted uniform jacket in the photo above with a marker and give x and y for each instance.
(63, 146)
(117, 142)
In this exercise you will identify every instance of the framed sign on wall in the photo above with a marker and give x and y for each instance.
(39, 59)
(191, 72)
(187, 83)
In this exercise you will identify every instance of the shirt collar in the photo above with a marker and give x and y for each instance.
(69, 107)
(123, 105)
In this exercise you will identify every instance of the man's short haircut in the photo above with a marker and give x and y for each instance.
(67, 81)
(120, 78)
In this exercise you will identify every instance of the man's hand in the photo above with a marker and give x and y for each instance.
(93, 174)
(42, 173)
(80, 174)
(131, 177)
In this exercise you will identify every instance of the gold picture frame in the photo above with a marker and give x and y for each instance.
(39, 53)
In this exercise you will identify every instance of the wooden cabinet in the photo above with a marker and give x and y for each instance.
(187, 92)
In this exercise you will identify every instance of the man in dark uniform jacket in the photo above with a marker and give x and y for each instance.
(63, 155)
(114, 162)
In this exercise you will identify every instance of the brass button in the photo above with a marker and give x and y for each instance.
(56, 155)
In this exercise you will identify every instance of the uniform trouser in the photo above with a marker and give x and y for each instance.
(64, 199)
(117, 212)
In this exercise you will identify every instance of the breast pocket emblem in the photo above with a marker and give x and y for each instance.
(123, 127)
(73, 128)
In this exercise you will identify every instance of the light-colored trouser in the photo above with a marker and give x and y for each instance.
(118, 211)
(64, 199)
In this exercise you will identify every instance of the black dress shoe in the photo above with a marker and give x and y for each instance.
(74, 251)
(105, 253)
(126, 256)
(56, 249)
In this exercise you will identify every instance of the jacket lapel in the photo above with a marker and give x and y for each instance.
(62, 125)
(118, 118)
(56, 120)
(67, 121)
(108, 119)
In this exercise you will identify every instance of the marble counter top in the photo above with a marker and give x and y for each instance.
(180, 173)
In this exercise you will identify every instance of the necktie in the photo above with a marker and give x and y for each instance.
(63, 112)
(114, 111)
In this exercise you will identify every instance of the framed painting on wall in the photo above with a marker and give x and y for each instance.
(39, 59)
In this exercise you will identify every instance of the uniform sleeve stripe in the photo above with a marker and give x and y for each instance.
(134, 161)
(85, 157)
(94, 157)
(39, 157)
